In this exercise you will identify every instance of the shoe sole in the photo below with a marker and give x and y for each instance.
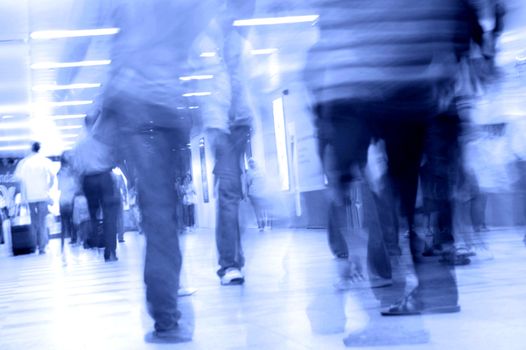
(429, 311)
(234, 282)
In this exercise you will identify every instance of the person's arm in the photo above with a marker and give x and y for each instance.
(86, 14)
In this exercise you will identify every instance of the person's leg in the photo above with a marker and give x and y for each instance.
(110, 208)
(90, 187)
(349, 144)
(42, 211)
(228, 154)
(335, 236)
(151, 153)
(33, 210)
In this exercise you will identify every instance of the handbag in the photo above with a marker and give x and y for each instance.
(22, 215)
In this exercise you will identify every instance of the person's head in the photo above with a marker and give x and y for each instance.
(252, 163)
(35, 147)
(188, 178)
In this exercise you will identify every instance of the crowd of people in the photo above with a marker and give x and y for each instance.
(392, 103)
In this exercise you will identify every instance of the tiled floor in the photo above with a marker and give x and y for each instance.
(76, 301)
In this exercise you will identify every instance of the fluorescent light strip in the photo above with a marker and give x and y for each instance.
(14, 148)
(88, 63)
(67, 116)
(70, 136)
(191, 94)
(66, 103)
(193, 107)
(274, 20)
(69, 127)
(263, 51)
(8, 116)
(14, 126)
(281, 143)
(208, 54)
(196, 77)
(57, 34)
(15, 108)
(15, 138)
(65, 87)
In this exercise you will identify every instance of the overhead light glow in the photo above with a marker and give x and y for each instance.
(15, 148)
(69, 127)
(8, 116)
(208, 54)
(88, 63)
(275, 20)
(50, 87)
(14, 126)
(67, 116)
(196, 77)
(25, 108)
(66, 103)
(281, 143)
(263, 51)
(57, 34)
(15, 138)
(191, 94)
(70, 136)
(193, 107)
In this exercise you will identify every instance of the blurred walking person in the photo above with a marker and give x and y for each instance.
(37, 178)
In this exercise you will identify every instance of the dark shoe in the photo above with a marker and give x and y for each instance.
(456, 257)
(121, 240)
(411, 305)
(111, 257)
(72, 242)
(174, 336)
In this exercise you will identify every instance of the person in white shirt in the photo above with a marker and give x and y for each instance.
(36, 177)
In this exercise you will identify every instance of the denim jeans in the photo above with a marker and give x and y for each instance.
(39, 211)
(229, 150)
(151, 139)
(102, 194)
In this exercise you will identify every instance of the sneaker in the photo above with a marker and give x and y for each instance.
(185, 292)
(232, 276)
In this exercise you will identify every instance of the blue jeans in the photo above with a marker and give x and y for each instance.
(39, 211)
(229, 150)
(151, 139)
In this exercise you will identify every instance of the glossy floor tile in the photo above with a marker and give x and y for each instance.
(76, 301)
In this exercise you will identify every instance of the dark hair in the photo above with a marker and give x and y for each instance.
(35, 147)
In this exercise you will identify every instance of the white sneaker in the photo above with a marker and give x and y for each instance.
(232, 276)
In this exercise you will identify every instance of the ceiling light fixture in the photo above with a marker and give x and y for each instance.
(57, 34)
(88, 63)
(69, 127)
(67, 116)
(50, 87)
(15, 138)
(14, 126)
(208, 54)
(275, 20)
(263, 51)
(196, 77)
(14, 148)
(191, 94)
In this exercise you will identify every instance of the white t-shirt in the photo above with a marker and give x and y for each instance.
(36, 176)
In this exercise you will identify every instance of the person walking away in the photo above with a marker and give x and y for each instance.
(37, 178)
(94, 161)
(68, 186)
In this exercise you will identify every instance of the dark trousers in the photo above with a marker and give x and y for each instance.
(66, 220)
(39, 211)
(102, 194)
(229, 150)
(407, 137)
(153, 151)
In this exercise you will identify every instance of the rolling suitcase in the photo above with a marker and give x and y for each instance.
(23, 240)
